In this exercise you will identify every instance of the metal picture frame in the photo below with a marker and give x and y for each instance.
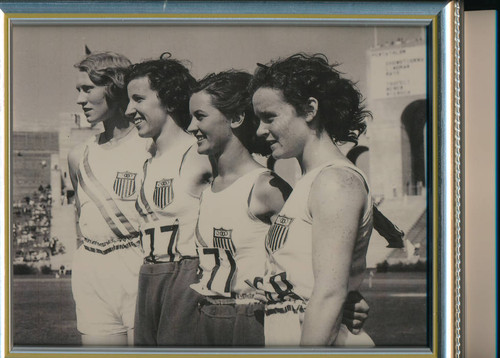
(40, 36)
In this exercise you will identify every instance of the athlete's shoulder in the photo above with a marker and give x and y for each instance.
(339, 178)
(270, 184)
(268, 196)
(140, 144)
(75, 155)
(194, 162)
(335, 189)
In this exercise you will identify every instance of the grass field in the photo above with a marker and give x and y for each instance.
(398, 309)
(43, 311)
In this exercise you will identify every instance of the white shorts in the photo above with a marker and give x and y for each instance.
(105, 290)
(283, 327)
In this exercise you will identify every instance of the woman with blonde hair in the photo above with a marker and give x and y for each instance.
(104, 172)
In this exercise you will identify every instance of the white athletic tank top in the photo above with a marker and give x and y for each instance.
(230, 240)
(108, 183)
(289, 270)
(168, 210)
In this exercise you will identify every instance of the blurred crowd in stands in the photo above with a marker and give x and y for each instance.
(31, 218)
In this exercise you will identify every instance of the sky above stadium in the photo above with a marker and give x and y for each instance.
(43, 76)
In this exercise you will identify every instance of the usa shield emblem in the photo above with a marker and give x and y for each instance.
(124, 185)
(223, 240)
(278, 232)
(164, 193)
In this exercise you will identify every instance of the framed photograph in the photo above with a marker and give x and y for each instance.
(70, 287)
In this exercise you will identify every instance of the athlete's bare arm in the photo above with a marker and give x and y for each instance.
(268, 196)
(197, 171)
(336, 201)
(74, 157)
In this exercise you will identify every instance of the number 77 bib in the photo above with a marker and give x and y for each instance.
(159, 239)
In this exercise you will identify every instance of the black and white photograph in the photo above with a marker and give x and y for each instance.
(213, 185)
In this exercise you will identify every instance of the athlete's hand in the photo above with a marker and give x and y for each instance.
(355, 312)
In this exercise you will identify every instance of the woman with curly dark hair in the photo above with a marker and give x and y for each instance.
(317, 244)
(168, 202)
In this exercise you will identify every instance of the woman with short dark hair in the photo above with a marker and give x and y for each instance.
(167, 309)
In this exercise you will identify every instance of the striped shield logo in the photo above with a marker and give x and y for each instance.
(223, 240)
(278, 232)
(164, 193)
(124, 185)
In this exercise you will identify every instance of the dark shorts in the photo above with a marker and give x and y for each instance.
(167, 308)
(230, 324)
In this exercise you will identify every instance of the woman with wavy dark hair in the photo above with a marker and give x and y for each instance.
(104, 172)
(235, 211)
(317, 244)
(167, 309)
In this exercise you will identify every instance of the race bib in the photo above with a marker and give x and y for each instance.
(159, 241)
(218, 268)
(278, 288)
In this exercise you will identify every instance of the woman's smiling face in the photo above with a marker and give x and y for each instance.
(145, 108)
(208, 124)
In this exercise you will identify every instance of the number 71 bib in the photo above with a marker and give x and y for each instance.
(218, 266)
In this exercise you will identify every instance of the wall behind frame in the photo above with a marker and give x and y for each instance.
(480, 214)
